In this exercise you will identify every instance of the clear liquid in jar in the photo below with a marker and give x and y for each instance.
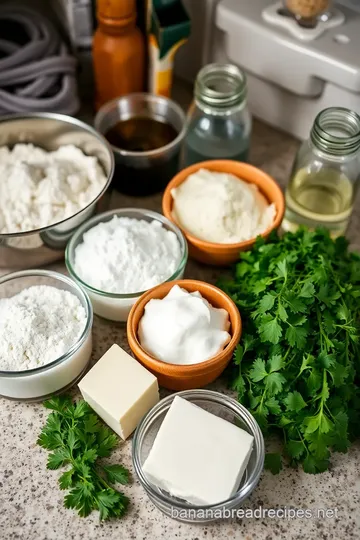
(319, 199)
(215, 139)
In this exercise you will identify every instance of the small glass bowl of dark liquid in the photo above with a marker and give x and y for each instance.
(146, 132)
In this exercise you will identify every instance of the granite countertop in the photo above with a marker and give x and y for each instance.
(31, 504)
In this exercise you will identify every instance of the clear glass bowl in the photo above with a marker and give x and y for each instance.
(42, 382)
(112, 306)
(222, 406)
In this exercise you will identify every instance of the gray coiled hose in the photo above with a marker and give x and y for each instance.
(40, 73)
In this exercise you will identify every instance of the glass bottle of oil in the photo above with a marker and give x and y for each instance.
(325, 173)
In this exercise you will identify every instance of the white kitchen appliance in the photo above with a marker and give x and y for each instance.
(293, 73)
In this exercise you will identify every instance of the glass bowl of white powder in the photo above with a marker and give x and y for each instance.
(45, 334)
(118, 255)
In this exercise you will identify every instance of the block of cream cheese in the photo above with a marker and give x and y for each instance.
(120, 390)
(198, 456)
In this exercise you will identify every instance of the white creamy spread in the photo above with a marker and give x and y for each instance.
(183, 328)
(221, 208)
(39, 188)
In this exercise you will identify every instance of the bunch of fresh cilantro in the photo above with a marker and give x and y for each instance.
(76, 438)
(297, 367)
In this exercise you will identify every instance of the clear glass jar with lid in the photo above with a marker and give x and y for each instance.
(326, 173)
(219, 122)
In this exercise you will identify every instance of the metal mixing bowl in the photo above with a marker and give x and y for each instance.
(49, 131)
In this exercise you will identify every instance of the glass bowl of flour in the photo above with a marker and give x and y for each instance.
(45, 334)
(118, 255)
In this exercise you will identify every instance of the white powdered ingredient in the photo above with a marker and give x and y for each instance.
(37, 326)
(39, 188)
(127, 255)
(221, 208)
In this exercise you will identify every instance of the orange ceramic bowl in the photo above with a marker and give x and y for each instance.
(177, 377)
(224, 254)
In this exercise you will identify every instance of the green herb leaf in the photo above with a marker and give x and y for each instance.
(239, 353)
(282, 313)
(313, 383)
(276, 363)
(53, 422)
(294, 401)
(56, 459)
(49, 439)
(266, 303)
(106, 442)
(273, 463)
(270, 331)
(313, 465)
(273, 405)
(238, 384)
(81, 409)
(282, 269)
(116, 473)
(274, 383)
(66, 479)
(90, 455)
(295, 449)
(296, 336)
(81, 498)
(295, 304)
(111, 503)
(77, 438)
(338, 373)
(91, 423)
(299, 299)
(307, 290)
(258, 371)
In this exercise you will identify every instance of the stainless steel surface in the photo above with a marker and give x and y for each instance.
(49, 131)
(153, 162)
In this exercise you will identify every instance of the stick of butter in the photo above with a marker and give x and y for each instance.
(120, 390)
(198, 456)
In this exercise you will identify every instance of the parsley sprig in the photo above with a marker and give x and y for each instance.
(297, 368)
(76, 438)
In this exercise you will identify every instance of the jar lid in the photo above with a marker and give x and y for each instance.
(220, 85)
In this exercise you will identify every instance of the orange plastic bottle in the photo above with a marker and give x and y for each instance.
(118, 51)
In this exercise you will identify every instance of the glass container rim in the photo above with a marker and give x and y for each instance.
(85, 301)
(211, 397)
(232, 99)
(333, 144)
(95, 220)
(147, 97)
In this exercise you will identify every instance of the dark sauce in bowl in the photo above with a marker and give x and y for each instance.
(141, 134)
(143, 174)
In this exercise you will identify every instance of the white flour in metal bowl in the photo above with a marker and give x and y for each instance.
(39, 188)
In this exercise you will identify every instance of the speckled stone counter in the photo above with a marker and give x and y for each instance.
(31, 504)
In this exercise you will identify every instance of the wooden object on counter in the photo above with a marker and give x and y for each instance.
(118, 51)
